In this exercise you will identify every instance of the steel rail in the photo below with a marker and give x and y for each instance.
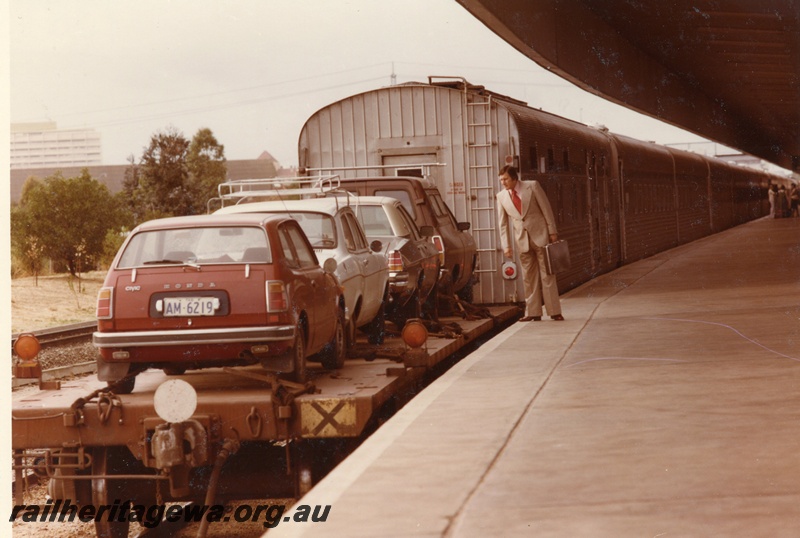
(54, 336)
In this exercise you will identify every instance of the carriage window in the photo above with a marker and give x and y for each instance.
(534, 156)
(413, 172)
(551, 160)
(565, 156)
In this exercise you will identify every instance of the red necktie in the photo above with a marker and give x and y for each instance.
(517, 201)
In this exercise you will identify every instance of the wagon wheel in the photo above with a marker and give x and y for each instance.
(108, 461)
(303, 471)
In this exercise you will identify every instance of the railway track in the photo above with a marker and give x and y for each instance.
(296, 441)
(62, 334)
(58, 342)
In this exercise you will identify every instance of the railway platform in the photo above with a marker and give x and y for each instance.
(667, 404)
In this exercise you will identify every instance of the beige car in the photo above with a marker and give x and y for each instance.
(334, 232)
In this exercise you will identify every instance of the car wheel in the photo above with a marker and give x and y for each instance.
(376, 329)
(467, 293)
(411, 310)
(299, 355)
(333, 354)
(175, 370)
(350, 334)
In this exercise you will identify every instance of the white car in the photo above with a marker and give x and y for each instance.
(334, 231)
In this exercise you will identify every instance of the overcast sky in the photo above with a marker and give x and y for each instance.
(253, 71)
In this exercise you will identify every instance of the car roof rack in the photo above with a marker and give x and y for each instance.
(240, 190)
(426, 168)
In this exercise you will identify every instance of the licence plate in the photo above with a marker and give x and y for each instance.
(188, 306)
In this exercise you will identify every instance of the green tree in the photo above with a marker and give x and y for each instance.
(27, 249)
(174, 177)
(132, 194)
(161, 180)
(65, 220)
(207, 166)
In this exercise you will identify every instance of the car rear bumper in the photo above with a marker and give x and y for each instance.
(193, 336)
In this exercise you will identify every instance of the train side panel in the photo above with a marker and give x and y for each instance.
(692, 196)
(575, 166)
(616, 199)
(405, 126)
(748, 194)
(648, 190)
(721, 191)
(472, 134)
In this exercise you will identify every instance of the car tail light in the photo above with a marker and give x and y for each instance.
(438, 242)
(277, 300)
(105, 300)
(395, 261)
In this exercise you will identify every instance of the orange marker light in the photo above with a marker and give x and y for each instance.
(414, 334)
(27, 347)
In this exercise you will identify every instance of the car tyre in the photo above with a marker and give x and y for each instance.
(467, 293)
(333, 355)
(350, 334)
(376, 329)
(122, 386)
(298, 352)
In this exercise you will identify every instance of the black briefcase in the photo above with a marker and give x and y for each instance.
(557, 257)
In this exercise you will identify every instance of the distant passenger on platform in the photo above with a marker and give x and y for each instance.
(772, 193)
(781, 203)
(794, 200)
(525, 204)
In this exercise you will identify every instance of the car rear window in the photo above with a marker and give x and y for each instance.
(203, 245)
(374, 220)
(318, 227)
(401, 195)
(440, 208)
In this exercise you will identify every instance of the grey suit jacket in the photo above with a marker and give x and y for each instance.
(536, 222)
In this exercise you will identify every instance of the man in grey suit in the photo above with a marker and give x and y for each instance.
(525, 204)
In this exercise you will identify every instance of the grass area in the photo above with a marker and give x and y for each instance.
(54, 300)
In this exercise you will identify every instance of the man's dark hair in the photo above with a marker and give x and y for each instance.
(510, 170)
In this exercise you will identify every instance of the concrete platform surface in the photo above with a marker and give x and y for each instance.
(667, 404)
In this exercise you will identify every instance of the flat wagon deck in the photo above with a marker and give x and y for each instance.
(76, 434)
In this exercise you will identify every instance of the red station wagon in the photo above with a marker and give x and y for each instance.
(217, 290)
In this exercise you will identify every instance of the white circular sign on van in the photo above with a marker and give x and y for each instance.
(175, 400)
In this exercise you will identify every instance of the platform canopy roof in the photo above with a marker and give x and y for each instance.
(727, 70)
